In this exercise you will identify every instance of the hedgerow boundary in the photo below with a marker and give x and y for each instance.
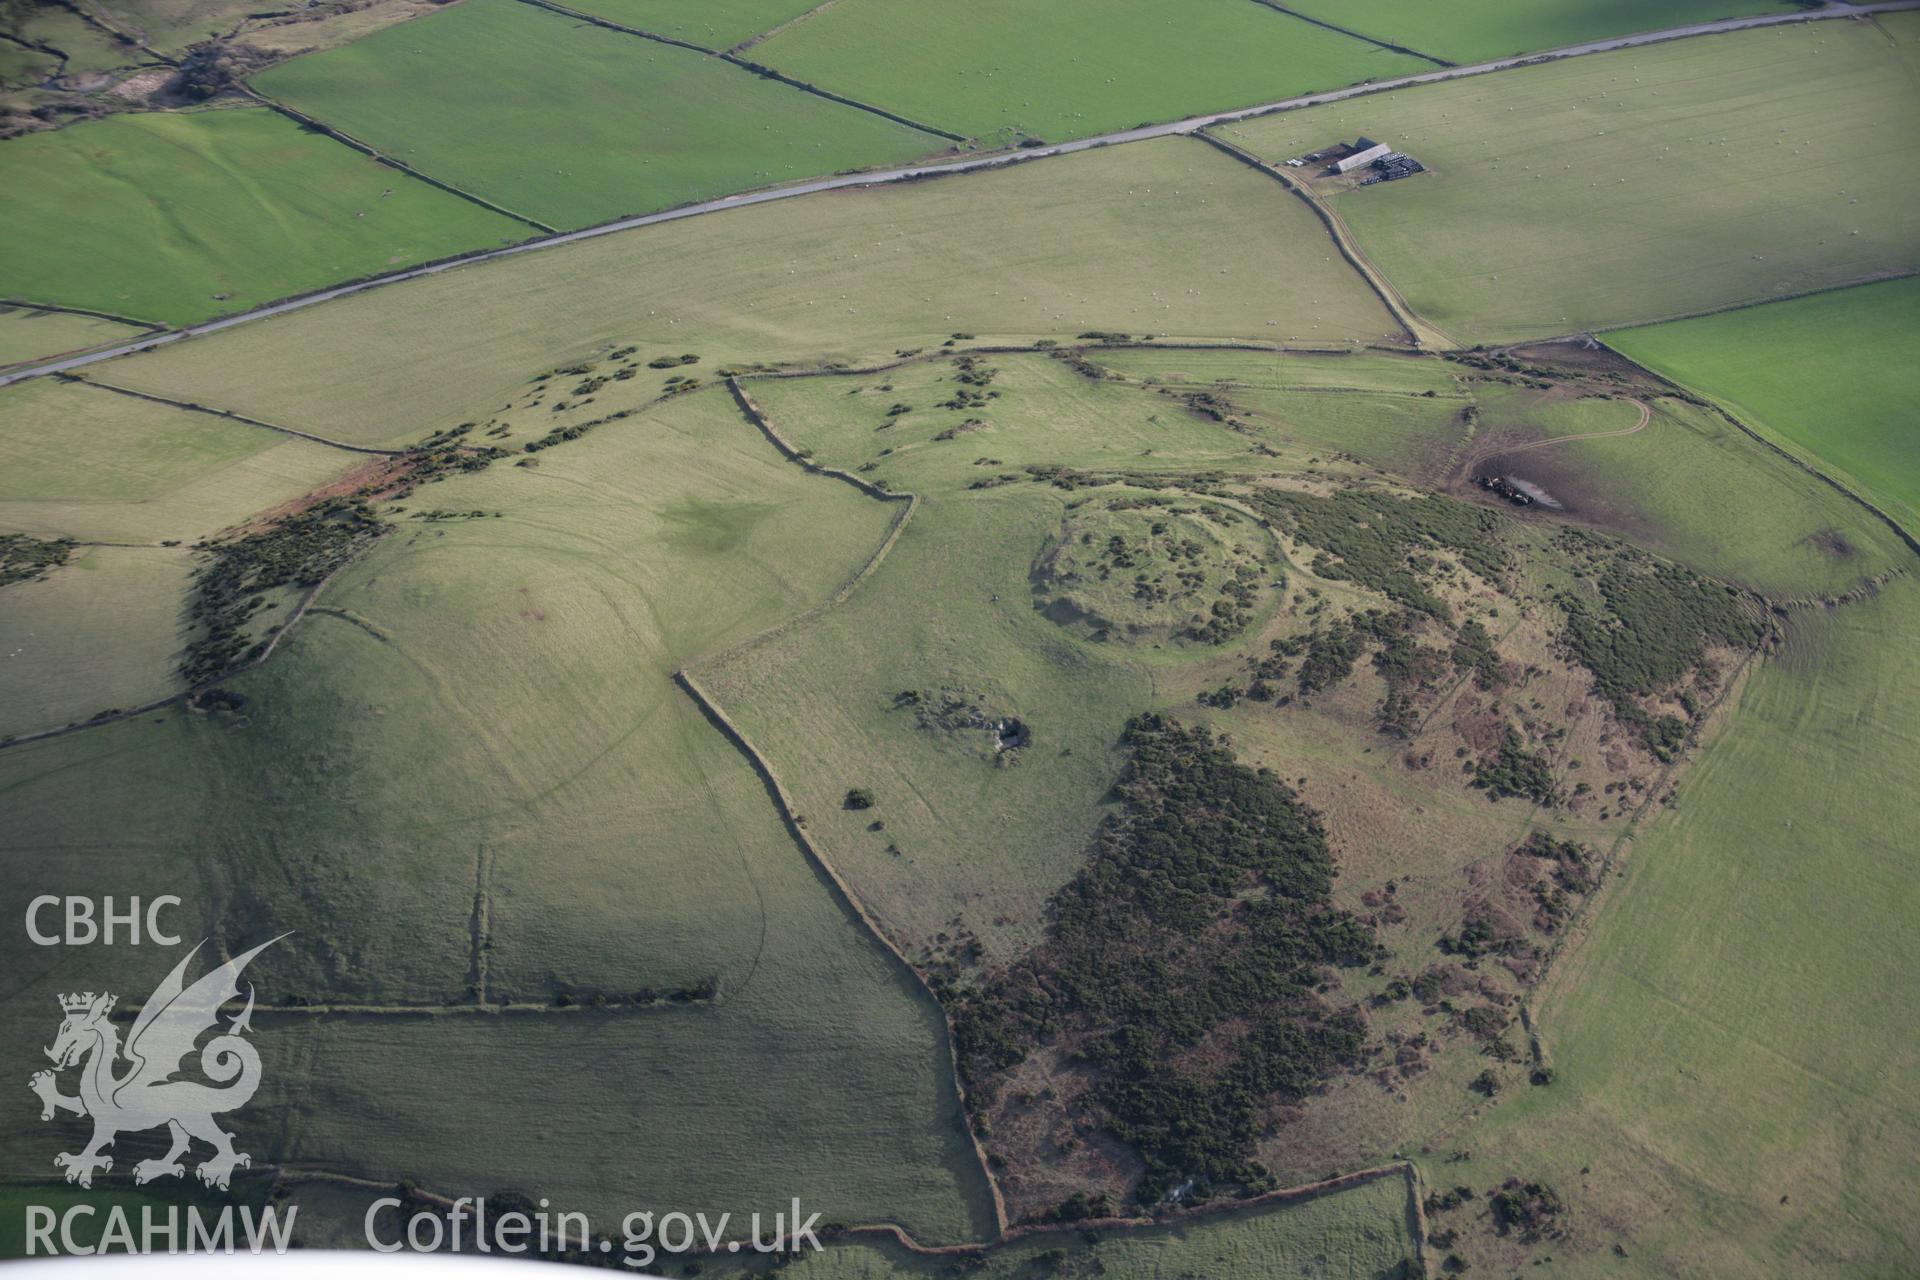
(759, 69)
(194, 406)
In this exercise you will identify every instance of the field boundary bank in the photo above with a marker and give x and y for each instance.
(935, 169)
(758, 418)
(1397, 307)
(1086, 347)
(1746, 304)
(777, 28)
(784, 804)
(346, 139)
(759, 69)
(190, 406)
(24, 305)
(1375, 41)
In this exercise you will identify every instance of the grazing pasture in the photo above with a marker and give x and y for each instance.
(1002, 70)
(574, 124)
(98, 633)
(1828, 376)
(177, 217)
(1133, 238)
(28, 333)
(1640, 185)
(591, 841)
(82, 462)
(716, 24)
(1468, 31)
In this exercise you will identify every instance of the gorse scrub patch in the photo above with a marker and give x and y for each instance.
(231, 586)
(1197, 933)
(1383, 541)
(1516, 771)
(1646, 628)
(23, 559)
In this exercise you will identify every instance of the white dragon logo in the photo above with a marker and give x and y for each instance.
(146, 1096)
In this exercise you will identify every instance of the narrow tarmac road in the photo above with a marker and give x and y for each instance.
(877, 177)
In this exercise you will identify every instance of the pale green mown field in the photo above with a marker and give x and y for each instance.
(1829, 376)
(1640, 185)
(1365, 1233)
(177, 217)
(575, 124)
(1479, 30)
(713, 23)
(101, 632)
(27, 334)
(1134, 238)
(1736, 1059)
(483, 714)
(1001, 69)
(82, 462)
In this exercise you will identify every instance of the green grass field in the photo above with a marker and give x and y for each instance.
(1825, 375)
(1479, 30)
(647, 125)
(1117, 239)
(617, 842)
(28, 334)
(177, 217)
(81, 462)
(1733, 1068)
(717, 24)
(101, 632)
(1000, 69)
(1636, 186)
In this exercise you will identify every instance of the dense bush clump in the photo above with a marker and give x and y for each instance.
(1515, 771)
(1473, 650)
(1199, 930)
(23, 559)
(299, 550)
(1371, 537)
(1648, 628)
